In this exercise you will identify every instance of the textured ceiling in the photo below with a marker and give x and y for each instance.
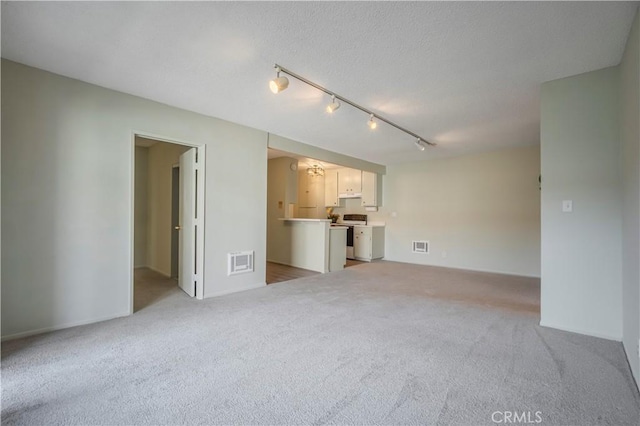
(464, 75)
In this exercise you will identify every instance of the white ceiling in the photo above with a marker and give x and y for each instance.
(144, 142)
(464, 75)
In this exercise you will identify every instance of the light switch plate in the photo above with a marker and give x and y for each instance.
(567, 206)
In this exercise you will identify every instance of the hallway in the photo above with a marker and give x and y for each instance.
(150, 287)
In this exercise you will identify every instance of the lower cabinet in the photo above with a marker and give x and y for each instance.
(368, 242)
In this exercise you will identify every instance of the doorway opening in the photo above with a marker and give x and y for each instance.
(305, 190)
(168, 221)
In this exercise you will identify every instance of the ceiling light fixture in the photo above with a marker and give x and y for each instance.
(334, 105)
(278, 84)
(315, 170)
(372, 124)
(419, 144)
(281, 83)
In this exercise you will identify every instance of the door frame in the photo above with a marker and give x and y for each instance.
(175, 175)
(200, 210)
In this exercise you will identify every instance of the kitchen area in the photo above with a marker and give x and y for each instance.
(320, 214)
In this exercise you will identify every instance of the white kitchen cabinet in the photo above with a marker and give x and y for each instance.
(371, 189)
(337, 248)
(331, 188)
(349, 183)
(368, 242)
(362, 243)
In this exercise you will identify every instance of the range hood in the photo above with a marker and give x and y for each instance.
(350, 195)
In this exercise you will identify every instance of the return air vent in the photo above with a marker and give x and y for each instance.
(240, 262)
(421, 247)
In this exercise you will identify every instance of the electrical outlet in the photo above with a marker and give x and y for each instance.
(567, 206)
(444, 254)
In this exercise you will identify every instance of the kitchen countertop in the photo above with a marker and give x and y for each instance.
(368, 225)
(299, 219)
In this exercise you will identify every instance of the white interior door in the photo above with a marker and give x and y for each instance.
(188, 223)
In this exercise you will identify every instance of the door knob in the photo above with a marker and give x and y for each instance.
(177, 228)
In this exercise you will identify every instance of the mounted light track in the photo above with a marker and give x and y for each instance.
(278, 84)
(372, 124)
(281, 83)
(334, 105)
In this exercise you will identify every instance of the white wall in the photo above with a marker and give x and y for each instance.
(630, 137)
(581, 287)
(162, 157)
(299, 148)
(282, 190)
(482, 210)
(141, 202)
(67, 197)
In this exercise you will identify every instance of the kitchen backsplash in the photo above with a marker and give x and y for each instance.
(353, 206)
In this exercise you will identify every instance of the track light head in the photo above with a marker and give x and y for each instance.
(372, 124)
(278, 84)
(419, 144)
(334, 105)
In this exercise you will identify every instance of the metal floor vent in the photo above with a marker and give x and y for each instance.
(420, 247)
(240, 262)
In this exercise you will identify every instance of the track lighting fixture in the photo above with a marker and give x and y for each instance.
(281, 83)
(334, 105)
(372, 124)
(278, 84)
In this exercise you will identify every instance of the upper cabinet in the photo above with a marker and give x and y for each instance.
(349, 183)
(331, 188)
(371, 189)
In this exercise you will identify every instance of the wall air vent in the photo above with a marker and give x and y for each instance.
(240, 262)
(421, 247)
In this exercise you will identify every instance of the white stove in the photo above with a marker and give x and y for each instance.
(354, 219)
(351, 220)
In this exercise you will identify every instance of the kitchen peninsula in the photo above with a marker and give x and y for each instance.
(312, 244)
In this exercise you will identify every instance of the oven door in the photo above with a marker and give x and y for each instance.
(350, 237)
(350, 253)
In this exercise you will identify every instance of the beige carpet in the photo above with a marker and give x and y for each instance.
(382, 343)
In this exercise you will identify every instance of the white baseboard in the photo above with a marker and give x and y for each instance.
(630, 353)
(585, 332)
(155, 270)
(488, 271)
(295, 266)
(236, 290)
(62, 326)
